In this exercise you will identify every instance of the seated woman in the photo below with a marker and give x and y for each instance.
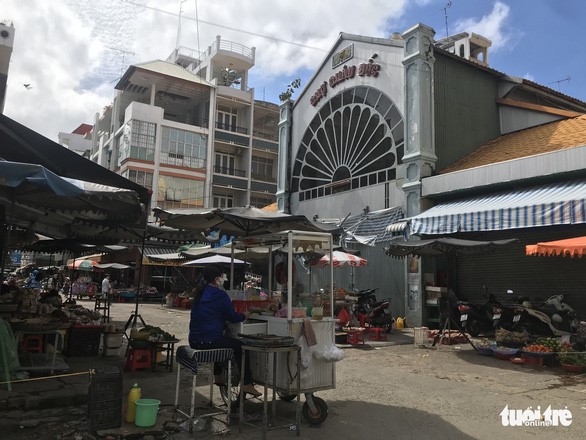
(210, 309)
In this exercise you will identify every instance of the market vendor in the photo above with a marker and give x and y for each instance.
(210, 309)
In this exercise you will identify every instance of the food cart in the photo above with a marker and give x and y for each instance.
(316, 373)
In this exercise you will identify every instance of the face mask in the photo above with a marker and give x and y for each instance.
(223, 279)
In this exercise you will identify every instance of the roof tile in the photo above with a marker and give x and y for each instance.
(546, 138)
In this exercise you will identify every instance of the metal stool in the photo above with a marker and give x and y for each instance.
(190, 358)
(102, 305)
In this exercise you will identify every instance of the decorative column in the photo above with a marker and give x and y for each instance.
(419, 160)
(283, 174)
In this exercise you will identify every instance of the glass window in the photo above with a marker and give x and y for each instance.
(183, 148)
(175, 192)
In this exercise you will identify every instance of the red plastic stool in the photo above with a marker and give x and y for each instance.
(377, 334)
(32, 343)
(355, 336)
(363, 319)
(138, 358)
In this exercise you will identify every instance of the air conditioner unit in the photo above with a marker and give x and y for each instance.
(238, 152)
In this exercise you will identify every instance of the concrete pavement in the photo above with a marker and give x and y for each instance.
(59, 402)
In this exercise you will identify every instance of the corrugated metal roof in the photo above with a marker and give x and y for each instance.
(371, 227)
(159, 250)
(546, 138)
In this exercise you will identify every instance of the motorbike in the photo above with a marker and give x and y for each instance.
(538, 322)
(481, 318)
(380, 315)
(376, 313)
(366, 300)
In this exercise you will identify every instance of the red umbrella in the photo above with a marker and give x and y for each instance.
(339, 259)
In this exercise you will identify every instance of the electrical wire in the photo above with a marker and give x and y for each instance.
(256, 34)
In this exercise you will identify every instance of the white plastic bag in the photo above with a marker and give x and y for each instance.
(329, 353)
(306, 357)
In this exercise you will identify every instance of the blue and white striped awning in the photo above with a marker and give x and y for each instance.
(546, 205)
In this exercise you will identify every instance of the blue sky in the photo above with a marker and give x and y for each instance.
(73, 51)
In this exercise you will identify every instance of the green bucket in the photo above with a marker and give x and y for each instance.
(146, 412)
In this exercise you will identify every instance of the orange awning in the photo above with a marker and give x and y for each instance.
(570, 247)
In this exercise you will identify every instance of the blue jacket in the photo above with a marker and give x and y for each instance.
(209, 315)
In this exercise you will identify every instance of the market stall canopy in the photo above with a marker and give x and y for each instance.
(34, 198)
(216, 259)
(21, 144)
(570, 247)
(339, 259)
(444, 246)
(117, 266)
(50, 246)
(537, 206)
(240, 221)
(82, 264)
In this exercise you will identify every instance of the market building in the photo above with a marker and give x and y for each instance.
(388, 128)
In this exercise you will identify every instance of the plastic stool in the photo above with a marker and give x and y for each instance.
(355, 336)
(377, 334)
(138, 358)
(190, 359)
(32, 344)
(362, 319)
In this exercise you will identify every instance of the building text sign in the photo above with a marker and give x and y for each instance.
(345, 73)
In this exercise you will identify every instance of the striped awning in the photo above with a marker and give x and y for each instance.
(545, 205)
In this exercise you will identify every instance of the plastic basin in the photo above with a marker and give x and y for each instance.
(146, 412)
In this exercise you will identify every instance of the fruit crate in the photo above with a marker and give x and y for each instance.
(84, 340)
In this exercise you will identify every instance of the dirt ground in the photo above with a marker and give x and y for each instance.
(407, 392)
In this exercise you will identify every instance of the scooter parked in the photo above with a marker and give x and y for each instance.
(481, 318)
(381, 316)
(537, 322)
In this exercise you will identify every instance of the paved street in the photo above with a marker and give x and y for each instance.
(384, 391)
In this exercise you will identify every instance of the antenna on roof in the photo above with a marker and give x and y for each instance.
(445, 8)
(179, 24)
(568, 79)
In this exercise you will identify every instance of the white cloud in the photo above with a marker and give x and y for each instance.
(492, 26)
(73, 51)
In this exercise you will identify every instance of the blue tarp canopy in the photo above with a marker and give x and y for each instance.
(34, 198)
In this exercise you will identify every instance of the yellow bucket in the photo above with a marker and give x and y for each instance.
(400, 323)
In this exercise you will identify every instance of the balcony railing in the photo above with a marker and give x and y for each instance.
(231, 127)
(265, 135)
(263, 177)
(229, 171)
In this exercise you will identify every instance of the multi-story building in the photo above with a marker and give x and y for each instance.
(6, 43)
(79, 140)
(190, 129)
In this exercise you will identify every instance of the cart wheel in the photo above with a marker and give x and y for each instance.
(286, 397)
(320, 414)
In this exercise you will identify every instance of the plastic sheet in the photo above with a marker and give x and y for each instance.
(9, 356)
